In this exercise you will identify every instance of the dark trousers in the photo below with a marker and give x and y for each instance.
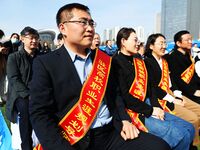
(25, 127)
(107, 138)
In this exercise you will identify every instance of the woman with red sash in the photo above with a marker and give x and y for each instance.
(165, 89)
(136, 89)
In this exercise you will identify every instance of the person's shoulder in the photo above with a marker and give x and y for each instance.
(16, 54)
(148, 59)
(170, 55)
(116, 56)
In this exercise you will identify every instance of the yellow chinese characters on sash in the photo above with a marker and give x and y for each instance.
(138, 90)
(187, 75)
(164, 84)
(78, 120)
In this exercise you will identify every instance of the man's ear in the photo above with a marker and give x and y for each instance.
(62, 29)
(178, 44)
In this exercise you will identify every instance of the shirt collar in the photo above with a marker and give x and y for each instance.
(74, 56)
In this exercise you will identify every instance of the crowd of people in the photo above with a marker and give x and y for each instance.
(79, 97)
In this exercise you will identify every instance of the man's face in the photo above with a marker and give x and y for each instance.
(186, 42)
(30, 41)
(79, 30)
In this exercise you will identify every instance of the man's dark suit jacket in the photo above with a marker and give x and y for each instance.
(125, 72)
(178, 63)
(55, 88)
(155, 74)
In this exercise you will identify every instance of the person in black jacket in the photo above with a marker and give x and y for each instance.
(68, 109)
(137, 93)
(182, 71)
(158, 73)
(19, 72)
(181, 66)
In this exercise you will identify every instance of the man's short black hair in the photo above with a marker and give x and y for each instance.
(68, 8)
(28, 31)
(178, 35)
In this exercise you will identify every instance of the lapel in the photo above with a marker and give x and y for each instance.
(67, 67)
(26, 64)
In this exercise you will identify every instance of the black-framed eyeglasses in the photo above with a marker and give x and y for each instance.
(84, 23)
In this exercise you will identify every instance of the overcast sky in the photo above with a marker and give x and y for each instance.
(40, 14)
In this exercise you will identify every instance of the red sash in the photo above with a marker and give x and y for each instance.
(164, 84)
(187, 75)
(138, 90)
(38, 147)
(78, 120)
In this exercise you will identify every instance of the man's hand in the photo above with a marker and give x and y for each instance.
(129, 131)
(178, 101)
(197, 93)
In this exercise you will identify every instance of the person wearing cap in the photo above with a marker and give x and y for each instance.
(19, 72)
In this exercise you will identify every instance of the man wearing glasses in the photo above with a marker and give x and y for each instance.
(182, 72)
(19, 72)
(72, 100)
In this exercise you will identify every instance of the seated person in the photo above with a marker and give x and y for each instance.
(136, 91)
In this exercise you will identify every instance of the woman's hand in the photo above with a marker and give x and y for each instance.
(158, 113)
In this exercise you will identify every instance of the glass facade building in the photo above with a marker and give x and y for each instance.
(179, 15)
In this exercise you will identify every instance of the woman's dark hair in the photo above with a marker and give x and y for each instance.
(14, 34)
(123, 33)
(150, 41)
(2, 65)
(68, 12)
(1, 33)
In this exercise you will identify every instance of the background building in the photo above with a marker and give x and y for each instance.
(107, 35)
(157, 23)
(49, 36)
(179, 15)
(115, 30)
(140, 33)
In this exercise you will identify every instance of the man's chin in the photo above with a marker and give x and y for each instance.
(87, 45)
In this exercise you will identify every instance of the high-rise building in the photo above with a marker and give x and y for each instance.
(157, 23)
(115, 30)
(179, 15)
(140, 33)
(107, 34)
